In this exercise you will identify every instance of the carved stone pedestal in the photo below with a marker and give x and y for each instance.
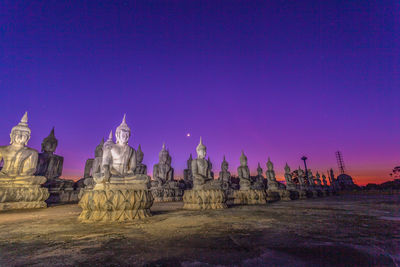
(302, 194)
(111, 205)
(162, 194)
(249, 197)
(21, 197)
(284, 195)
(292, 195)
(272, 195)
(204, 199)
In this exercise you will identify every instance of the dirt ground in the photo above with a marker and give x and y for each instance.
(347, 230)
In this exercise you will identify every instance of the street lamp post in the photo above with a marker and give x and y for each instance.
(304, 158)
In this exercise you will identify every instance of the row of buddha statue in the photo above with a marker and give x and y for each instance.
(116, 187)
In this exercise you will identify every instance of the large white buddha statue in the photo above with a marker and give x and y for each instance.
(19, 161)
(119, 194)
(119, 163)
(201, 171)
(19, 187)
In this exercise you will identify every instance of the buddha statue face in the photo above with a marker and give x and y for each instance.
(19, 137)
(163, 158)
(201, 153)
(122, 136)
(224, 166)
(49, 146)
(243, 161)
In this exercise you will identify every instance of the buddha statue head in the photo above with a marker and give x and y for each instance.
(243, 160)
(287, 169)
(109, 143)
(123, 132)
(259, 170)
(163, 155)
(21, 133)
(98, 153)
(139, 155)
(224, 165)
(50, 143)
(300, 172)
(201, 150)
(270, 165)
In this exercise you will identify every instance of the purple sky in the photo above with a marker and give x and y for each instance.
(274, 78)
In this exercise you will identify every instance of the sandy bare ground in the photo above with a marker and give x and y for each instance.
(357, 230)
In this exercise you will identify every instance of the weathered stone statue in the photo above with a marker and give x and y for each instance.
(247, 193)
(311, 184)
(318, 185)
(302, 185)
(244, 173)
(187, 174)
(225, 175)
(259, 181)
(140, 167)
(19, 187)
(207, 193)
(119, 194)
(163, 186)
(211, 166)
(50, 165)
(290, 186)
(325, 187)
(91, 166)
(273, 190)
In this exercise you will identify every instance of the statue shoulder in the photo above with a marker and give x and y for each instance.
(30, 150)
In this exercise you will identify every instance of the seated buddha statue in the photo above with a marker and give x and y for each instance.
(19, 161)
(224, 174)
(270, 173)
(162, 171)
(258, 183)
(324, 180)
(288, 177)
(244, 173)
(318, 179)
(140, 167)
(119, 162)
(201, 171)
(310, 178)
(50, 165)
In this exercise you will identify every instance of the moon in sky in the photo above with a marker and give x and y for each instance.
(188, 135)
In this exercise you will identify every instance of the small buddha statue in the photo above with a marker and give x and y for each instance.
(300, 176)
(140, 167)
(310, 178)
(318, 179)
(324, 180)
(19, 161)
(94, 165)
(49, 164)
(244, 173)
(162, 171)
(201, 171)
(187, 173)
(224, 174)
(270, 173)
(288, 177)
(211, 166)
(119, 162)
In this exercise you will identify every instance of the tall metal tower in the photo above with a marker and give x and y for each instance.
(340, 161)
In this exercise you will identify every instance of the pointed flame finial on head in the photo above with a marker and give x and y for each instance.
(110, 136)
(123, 126)
(201, 146)
(24, 118)
(243, 156)
(22, 125)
